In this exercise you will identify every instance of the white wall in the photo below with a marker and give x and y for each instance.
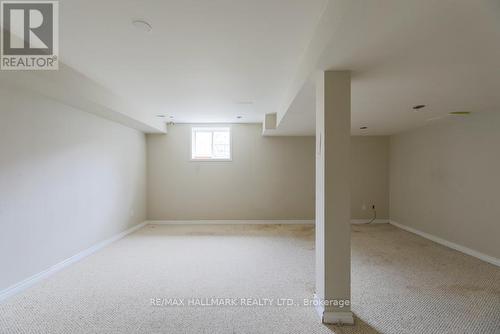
(68, 179)
(369, 176)
(268, 178)
(444, 180)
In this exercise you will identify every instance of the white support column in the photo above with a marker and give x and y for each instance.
(333, 207)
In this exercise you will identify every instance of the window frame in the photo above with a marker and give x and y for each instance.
(211, 128)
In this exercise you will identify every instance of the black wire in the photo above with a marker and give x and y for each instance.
(374, 216)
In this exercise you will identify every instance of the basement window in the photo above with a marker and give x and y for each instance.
(210, 144)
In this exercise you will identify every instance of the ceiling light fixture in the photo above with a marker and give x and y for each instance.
(142, 26)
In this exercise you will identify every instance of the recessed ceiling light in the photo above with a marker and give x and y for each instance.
(418, 107)
(142, 25)
(363, 128)
(460, 113)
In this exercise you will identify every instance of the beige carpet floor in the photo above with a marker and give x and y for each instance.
(401, 284)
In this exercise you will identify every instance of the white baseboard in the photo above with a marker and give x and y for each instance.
(231, 222)
(340, 318)
(452, 245)
(255, 222)
(18, 287)
(366, 221)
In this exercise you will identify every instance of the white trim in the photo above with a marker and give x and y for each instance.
(452, 245)
(23, 285)
(341, 318)
(230, 222)
(366, 221)
(210, 160)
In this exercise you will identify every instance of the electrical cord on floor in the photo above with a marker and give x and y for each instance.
(374, 215)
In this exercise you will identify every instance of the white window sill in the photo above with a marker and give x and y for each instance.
(210, 160)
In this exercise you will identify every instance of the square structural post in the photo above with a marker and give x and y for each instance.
(333, 197)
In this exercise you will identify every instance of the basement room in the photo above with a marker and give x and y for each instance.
(250, 166)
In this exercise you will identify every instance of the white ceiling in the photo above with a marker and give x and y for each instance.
(204, 61)
(445, 54)
(210, 61)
